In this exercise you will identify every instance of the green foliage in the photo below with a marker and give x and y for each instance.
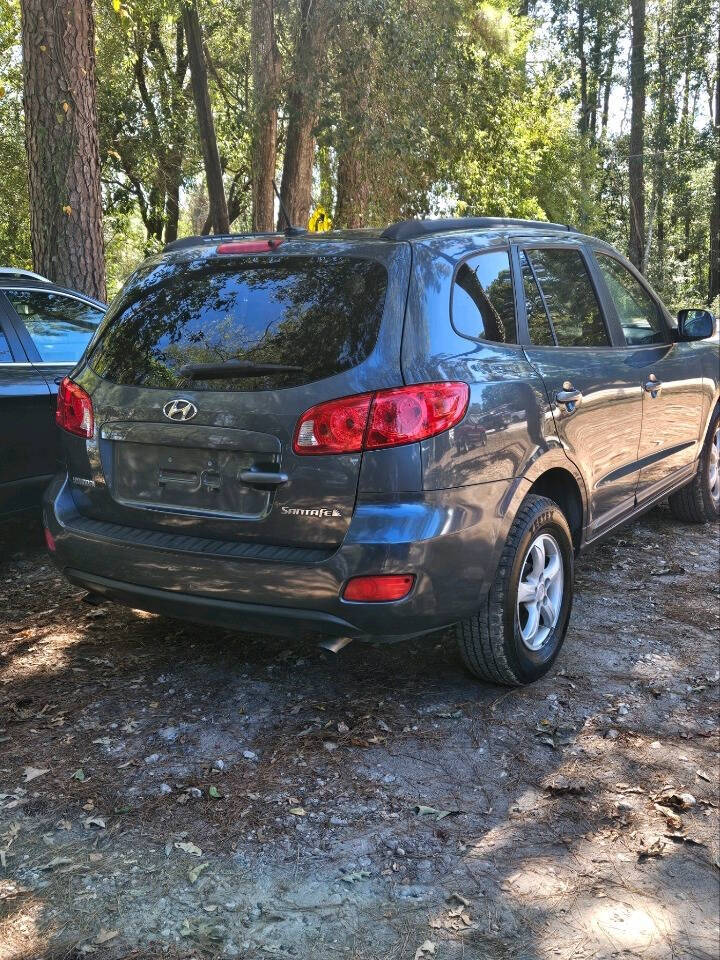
(442, 106)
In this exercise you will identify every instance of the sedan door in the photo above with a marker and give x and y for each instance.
(54, 328)
(669, 373)
(25, 466)
(596, 399)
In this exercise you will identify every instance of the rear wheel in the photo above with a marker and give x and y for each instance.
(521, 625)
(699, 501)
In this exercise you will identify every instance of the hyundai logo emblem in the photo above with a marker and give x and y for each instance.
(180, 410)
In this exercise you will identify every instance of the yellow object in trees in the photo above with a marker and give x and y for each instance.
(319, 221)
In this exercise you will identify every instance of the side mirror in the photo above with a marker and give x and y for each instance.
(695, 324)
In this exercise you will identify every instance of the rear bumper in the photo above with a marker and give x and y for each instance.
(447, 538)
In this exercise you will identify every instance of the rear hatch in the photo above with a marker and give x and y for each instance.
(188, 451)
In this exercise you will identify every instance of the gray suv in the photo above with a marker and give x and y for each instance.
(377, 434)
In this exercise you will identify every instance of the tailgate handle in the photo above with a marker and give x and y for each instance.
(262, 478)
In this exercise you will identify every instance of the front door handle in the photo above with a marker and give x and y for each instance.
(569, 396)
(262, 478)
(652, 385)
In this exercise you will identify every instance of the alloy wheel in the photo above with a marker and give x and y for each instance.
(540, 591)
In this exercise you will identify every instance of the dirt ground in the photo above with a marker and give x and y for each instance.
(171, 790)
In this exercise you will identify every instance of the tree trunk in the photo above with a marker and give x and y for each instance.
(206, 126)
(612, 53)
(62, 143)
(584, 110)
(296, 187)
(637, 134)
(714, 272)
(265, 70)
(353, 189)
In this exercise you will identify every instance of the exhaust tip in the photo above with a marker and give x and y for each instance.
(334, 644)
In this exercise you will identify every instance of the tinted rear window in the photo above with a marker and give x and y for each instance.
(319, 313)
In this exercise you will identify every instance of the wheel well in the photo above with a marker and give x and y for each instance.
(562, 487)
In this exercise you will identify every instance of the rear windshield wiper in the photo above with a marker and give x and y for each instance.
(234, 368)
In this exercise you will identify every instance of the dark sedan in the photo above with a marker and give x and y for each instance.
(44, 330)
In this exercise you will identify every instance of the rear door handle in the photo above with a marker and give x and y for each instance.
(569, 396)
(262, 478)
(652, 385)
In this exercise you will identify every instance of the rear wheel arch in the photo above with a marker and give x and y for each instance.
(564, 488)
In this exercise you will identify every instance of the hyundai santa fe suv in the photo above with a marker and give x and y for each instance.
(379, 434)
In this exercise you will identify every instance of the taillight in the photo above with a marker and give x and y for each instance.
(386, 418)
(250, 246)
(380, 588)
(74, 411)
(49, 541)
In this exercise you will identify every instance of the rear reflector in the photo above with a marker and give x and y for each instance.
(386, 418)
(74, 411)
(49, 541)
(379, 589)
(250, 246)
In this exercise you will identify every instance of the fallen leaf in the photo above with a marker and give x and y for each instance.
(424, 811)
(654, 850)
(79, 775)
(704, 776)
(678, 801)
(426, 949)
(55, 862)
(94, 822)
(106, 935)
(189, 848)
(195, 872)
(297, 811)
(356, 876)
(213, 792)
(32, 773)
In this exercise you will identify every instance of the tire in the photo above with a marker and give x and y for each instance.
(698, 502)
(492, 643)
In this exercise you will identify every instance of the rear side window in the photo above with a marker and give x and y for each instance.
(321, 314)
(59, 326)
(570, 298)
(483, 306)
(638, 313)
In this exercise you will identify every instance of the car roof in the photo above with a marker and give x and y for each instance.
(448, 236)
(12, 279)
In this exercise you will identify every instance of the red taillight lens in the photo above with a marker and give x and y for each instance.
(334, 427)
(379, 589)
(74, 411)
(49, 541)
(387, 418)
(250, 246)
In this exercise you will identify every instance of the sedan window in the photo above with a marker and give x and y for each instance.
(59, 326)
(5, 355)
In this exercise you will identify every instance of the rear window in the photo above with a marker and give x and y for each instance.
(321, 314)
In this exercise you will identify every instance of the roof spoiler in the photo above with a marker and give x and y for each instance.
(410, 229)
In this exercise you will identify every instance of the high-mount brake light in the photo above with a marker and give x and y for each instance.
(74, 411)
(386, 418)
(250, 246)
(381, 588)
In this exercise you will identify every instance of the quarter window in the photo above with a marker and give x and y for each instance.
(569, 297)
(638, 312)
(483, 306)
(59, 326)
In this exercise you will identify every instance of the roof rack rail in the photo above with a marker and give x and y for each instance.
(18, 272)
(409, 229)
(213, 239)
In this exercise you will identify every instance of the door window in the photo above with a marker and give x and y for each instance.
(59, 326)
(5, 355)
(639, 315)
(569, 297)
(538, 321)
(483, 305)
